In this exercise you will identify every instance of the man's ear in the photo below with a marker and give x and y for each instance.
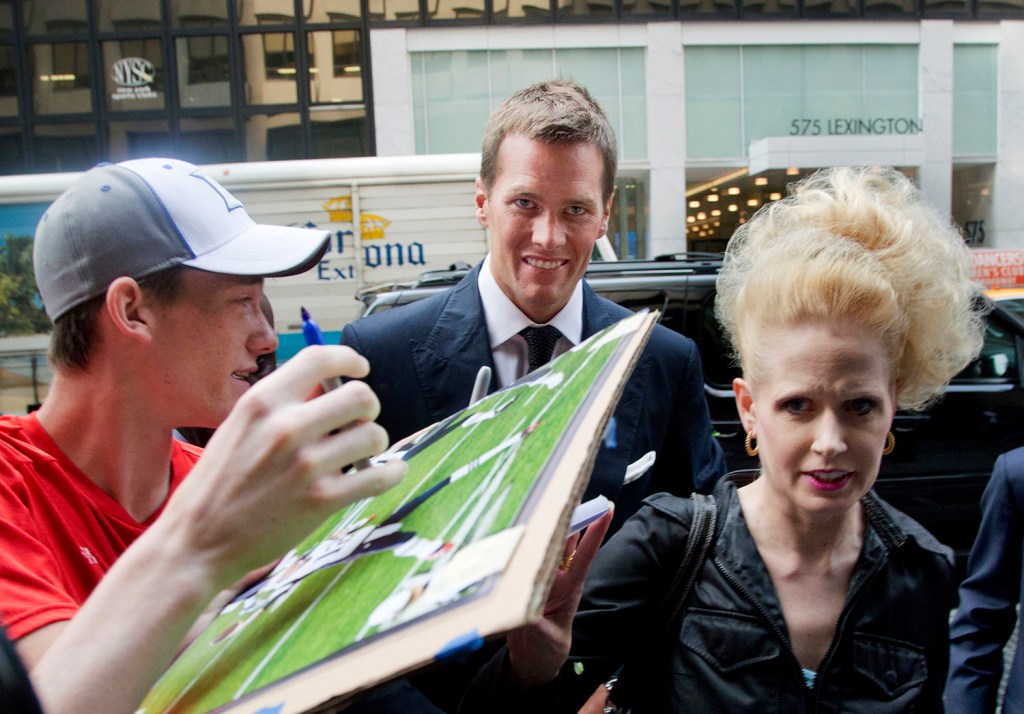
(607, 213)
(745, 404)
(128, 310)
(481, 203)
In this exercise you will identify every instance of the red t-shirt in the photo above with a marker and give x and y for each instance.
(59, 532)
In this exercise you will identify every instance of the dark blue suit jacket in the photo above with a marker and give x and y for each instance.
(424, 358)
(989, 597)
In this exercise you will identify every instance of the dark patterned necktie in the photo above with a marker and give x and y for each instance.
(541, 343)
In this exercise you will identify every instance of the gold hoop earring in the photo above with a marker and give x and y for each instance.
(890, 444)
(751, 447)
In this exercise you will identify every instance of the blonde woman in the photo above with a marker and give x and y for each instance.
(849, 299)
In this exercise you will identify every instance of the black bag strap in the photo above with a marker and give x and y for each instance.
(698, 545)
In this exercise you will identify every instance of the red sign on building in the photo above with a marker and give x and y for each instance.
(995, 268)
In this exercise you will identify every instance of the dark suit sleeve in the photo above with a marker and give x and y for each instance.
(990, 593)
(383, 340)
(350, 338)
(689, 446)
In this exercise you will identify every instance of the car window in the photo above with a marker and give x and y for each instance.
(998, 359)
(1015, 306)
(719, 368)
(637, 300)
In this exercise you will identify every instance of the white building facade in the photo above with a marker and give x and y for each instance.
(714, 118)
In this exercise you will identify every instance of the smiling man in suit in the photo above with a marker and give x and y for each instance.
(544, 194)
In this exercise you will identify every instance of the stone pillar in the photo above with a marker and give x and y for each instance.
(392, 93)
(935, 88)
(1007, 229)
(666, 138)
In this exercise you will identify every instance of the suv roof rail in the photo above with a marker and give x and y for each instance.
(689, 257)
(455, 272)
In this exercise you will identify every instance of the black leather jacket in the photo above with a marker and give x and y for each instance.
(732, 653)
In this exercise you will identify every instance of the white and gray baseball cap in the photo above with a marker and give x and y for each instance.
(138, 217)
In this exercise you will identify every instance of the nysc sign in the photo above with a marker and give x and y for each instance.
(134, 77)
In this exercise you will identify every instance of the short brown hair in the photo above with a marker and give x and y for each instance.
(556, 112)
(74, 332)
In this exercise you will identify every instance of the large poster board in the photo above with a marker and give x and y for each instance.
(463, 549)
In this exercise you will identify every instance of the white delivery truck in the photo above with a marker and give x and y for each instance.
(390, 218)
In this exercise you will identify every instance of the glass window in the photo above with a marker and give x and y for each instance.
(65, 147)
(270, 137)
(336, 73)
(998, 359)
(45, 17)
(199, 13)
(8, 82)
(890, 82)
(585, 8)
(60, 78)
(832, 82)
(707, 8)
(340, 132)
(456, 9)
(768, 8)
(134, 139)
(975, 96)
(633, 132)
(616, 79)
(646, 7)
(830, 8)
(12, 151)
(715, 351)
(775, 82)
(208, 140)
(511, 70)
(454, 101)
(946, 8)
(203, 72)
(713, 102)
(627, 224)
(517, 9)
(453, 92)
(884, 8)
(134, 71)
(134, 16)
(1012, 8)
(6, 16)
(972, 201)
(268, 60)
(403, 10)
(828, 90)
(278, 53)
(334, 11)
(266, 12)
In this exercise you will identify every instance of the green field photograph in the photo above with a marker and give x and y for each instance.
(439, 539)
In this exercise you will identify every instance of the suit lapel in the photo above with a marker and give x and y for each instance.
(595, 317)
(447, 361)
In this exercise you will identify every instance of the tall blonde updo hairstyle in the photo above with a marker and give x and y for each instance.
(858, 244)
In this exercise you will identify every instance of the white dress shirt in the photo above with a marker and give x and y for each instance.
(505, 320)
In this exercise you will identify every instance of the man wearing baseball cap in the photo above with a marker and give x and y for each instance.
(153, 275)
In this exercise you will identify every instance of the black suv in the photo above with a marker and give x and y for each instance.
(943, 457)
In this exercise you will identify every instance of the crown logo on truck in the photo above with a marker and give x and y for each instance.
(371, 227)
